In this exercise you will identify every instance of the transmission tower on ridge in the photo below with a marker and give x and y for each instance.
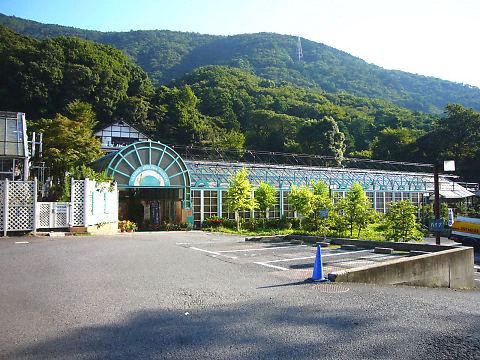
(299, 50)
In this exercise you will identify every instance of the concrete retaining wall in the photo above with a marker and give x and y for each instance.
(451, 268)
(110, 228)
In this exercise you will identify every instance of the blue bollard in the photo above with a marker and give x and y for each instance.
(317, 275)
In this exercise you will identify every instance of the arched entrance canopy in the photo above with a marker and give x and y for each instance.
(148, 164)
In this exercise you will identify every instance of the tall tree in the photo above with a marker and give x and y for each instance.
(401, 222)
(393, 144)
(68, 140)
(357, 208)
(322, 137)
(321, 204)
(301, 200)
(456, 136)
(239, 195)
(266, 197)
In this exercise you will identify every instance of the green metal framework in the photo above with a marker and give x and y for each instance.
(146, 164)
(149, 164)
(217, 175)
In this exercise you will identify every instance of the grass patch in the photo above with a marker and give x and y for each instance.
(259, 232)
(373, 232)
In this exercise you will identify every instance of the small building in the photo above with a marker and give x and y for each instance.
(119, 134)
(14, 155)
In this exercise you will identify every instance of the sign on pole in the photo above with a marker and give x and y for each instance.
(450, 217)
(436, 225)
(323, 213)
(449, 165)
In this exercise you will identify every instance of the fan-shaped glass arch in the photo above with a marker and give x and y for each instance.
(148, 164)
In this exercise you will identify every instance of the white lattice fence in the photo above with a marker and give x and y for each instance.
(53, 215)
(21, 198)
(78, 202)
(93, 203)
(2, 205)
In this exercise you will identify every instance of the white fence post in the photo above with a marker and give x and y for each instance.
(86, 202)
(71, 207)
(35, 206)
(5, 209)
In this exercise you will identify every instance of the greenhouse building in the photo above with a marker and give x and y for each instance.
(160, 183)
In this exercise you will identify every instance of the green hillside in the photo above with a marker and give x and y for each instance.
(60, 81)
(167, 55)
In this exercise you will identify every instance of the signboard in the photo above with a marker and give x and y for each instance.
(450, 217)
(467, 226)
(323, 213)
(449, 165)
(155, 212)
(436, 225)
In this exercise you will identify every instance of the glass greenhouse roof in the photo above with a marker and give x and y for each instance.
(12, 135)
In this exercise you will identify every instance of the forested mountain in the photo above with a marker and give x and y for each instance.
(167, 55)
(65, 81)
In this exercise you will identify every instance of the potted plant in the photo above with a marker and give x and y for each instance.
(127, 226)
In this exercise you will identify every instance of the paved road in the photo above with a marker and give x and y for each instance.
(148, 296)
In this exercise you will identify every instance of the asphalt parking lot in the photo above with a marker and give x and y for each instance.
(296, 259)
(286, 256)
(211, 296)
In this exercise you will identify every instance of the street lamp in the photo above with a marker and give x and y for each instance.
(448, 165)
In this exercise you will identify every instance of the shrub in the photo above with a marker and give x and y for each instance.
(216, 222)
(127, 225)
(213, 222)
(253, 224)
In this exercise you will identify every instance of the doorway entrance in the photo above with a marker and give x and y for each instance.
(151, 207)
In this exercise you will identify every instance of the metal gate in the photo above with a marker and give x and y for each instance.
(51, 215)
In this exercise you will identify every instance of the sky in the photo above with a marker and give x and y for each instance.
(430, 37)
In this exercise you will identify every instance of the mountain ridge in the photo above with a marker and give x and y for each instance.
(168, 55)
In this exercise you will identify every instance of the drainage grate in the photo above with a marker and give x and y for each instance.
(330, 288)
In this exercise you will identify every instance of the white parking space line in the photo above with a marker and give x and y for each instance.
(271, 266)
(313, 257)
(292, 259)
(205, 251)
(22, 242)
(262, 249)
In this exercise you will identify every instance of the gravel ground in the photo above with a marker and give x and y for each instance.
(149, 296)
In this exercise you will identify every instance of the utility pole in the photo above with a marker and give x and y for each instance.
(436, 204)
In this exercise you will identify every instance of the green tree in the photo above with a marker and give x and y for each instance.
(456, 136)
(266, 197)
(323, 137)
(337, 219)
(301, 200)
(220, 138)
(68, 140)
(393, 144)
(239, 195)
(357, 209)
(401, 222)
(321, 201)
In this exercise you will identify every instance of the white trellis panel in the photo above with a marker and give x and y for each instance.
(53, 215)
(21, 199)
(93, 203)
(101, 203)
(78, 202)
(2, 205)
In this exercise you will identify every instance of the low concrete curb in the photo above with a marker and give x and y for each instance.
(427, 265)
(450, 268)
(382, 250)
